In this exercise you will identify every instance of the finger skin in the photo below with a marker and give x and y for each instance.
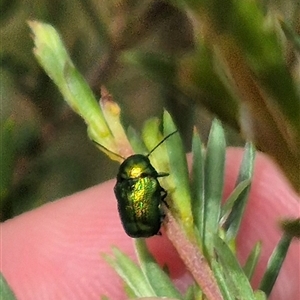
(54, 252)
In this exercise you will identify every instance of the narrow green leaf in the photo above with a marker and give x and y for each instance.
(233, 221)
(227, 206)
(193, 292)
(252, 261)
(189, 294)
(180, 192)
(50, 51)
(130, 273)
(222, 283)
(128, 291)
(274, 264)
(158, 279)
(5, 291)
(135, 141)
(53, 57)
(152, 136)
(213, 182)
(235, 276)
(80, 97)
(198, 183)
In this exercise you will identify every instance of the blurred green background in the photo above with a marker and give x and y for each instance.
(150, 55)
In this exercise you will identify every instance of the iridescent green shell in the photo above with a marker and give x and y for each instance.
(139, 196)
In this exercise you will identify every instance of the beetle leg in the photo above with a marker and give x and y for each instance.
(163, 197)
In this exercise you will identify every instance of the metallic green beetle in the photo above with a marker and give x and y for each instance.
(140, 195)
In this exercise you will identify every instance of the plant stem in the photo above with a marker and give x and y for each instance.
(193, 259)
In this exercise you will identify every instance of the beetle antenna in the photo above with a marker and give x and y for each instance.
(109, 151)
(162, 141)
